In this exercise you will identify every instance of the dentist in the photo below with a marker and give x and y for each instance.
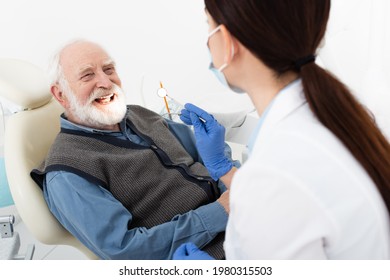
(317, 182)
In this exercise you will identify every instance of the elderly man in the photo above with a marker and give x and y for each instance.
(126, 182)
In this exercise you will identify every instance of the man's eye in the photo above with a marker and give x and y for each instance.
(86, 76)
(109, 71)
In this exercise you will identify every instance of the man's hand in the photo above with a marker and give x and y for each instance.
(224, 201)
(210, 140)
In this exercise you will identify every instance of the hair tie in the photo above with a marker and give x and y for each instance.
(303, 61)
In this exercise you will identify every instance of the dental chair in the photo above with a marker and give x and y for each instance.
(28, 135)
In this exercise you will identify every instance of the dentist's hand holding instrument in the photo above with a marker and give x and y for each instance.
(210, 140)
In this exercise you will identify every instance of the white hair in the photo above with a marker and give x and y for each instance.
(55, 71)
(93, 117)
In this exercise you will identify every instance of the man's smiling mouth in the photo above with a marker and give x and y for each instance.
(105, 99)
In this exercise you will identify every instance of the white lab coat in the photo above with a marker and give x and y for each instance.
(302, 195)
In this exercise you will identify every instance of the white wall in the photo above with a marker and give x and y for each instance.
(166, 40)
(358, 51)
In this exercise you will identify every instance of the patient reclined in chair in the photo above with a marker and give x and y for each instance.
(27, 144)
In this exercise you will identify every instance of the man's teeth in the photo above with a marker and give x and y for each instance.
(105, 99)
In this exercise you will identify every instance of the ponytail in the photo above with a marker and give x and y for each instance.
(339, 111)
(280, 33)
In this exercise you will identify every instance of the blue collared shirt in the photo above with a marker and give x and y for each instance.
(99, 221)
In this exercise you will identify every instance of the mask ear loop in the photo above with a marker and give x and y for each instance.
(214, 31)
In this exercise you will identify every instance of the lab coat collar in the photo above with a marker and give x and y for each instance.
(285, 102)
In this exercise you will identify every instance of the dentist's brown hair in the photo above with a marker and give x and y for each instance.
(280, 33)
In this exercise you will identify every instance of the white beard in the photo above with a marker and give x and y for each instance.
(92, 116)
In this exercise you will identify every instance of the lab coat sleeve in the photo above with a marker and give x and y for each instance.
(273, 217)
(100, 221)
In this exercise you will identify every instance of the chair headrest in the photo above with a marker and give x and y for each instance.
(23, 83)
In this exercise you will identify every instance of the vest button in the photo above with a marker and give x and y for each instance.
(200, 178)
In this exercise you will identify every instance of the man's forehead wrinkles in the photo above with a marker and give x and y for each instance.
(85, 67)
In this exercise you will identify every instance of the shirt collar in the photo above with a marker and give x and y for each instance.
(67, 124)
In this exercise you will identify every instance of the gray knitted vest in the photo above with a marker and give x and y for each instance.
(154, 183)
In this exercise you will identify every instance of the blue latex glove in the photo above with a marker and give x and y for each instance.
(189, 251)
(210, 140)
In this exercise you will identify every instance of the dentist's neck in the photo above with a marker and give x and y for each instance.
(263, 90)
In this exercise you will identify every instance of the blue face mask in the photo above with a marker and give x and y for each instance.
(218, 71)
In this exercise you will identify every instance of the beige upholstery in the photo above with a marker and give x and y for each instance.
(23, 83)
(28, 136)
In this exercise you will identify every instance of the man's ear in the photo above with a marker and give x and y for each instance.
(58, 94)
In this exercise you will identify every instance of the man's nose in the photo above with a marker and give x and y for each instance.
(103, 81)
